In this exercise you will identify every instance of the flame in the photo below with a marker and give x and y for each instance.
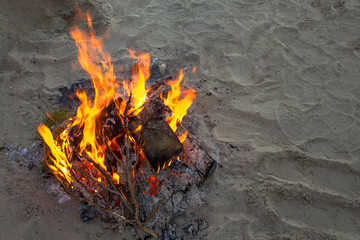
(61, 165)
(116, 178)
(97, 63)
(137, 129)
(136, 87)
(178, 104)
(194, 70)
(183, 137)
(49, 116)
(102, 75)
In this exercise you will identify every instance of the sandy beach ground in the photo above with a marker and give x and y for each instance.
(278, 106)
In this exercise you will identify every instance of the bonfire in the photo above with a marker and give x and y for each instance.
(122, 135)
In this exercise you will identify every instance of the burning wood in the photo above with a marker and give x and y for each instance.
(100, 156)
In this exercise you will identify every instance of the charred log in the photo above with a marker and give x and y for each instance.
(111, 122)
(160, 144)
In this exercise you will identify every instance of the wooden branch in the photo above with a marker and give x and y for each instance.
(115, 191)
(94, 180)
(140, 145)
(77, 180)
(130, 183)
(127, 162)
(98, 167)
(154, 212)
(95, 204)
(147, 230)
(115, 226)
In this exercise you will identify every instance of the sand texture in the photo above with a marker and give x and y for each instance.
(278, 106)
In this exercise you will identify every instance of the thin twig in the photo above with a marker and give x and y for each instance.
(127, 162)
(113, 153)
(83, 185)
(77, 180)
(131, 186)
(118, 193)
(115, 226)
(95, 204)
(147, 230)
(154, 212)
(94, 180)
(140, 145)
(98, 167)
(131, 114)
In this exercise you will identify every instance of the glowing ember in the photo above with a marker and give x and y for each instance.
(155, 186)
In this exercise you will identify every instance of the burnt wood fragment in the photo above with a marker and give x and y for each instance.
(75, 135)
(197, 158)
(160, 144)
(111, 122)
(210, 169)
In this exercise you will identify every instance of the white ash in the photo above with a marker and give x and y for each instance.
(27, 157)
(55, 188)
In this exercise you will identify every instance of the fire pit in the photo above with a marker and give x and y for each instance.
(125, 151)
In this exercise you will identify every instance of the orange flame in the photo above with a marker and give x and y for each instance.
(61, 167)
(140, 74)
(102, 75)
(116, 178)
(98, 65)
(49, 116)
(178, 105)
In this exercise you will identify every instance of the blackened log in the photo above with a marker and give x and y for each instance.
(160, 144)
(111, 122)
